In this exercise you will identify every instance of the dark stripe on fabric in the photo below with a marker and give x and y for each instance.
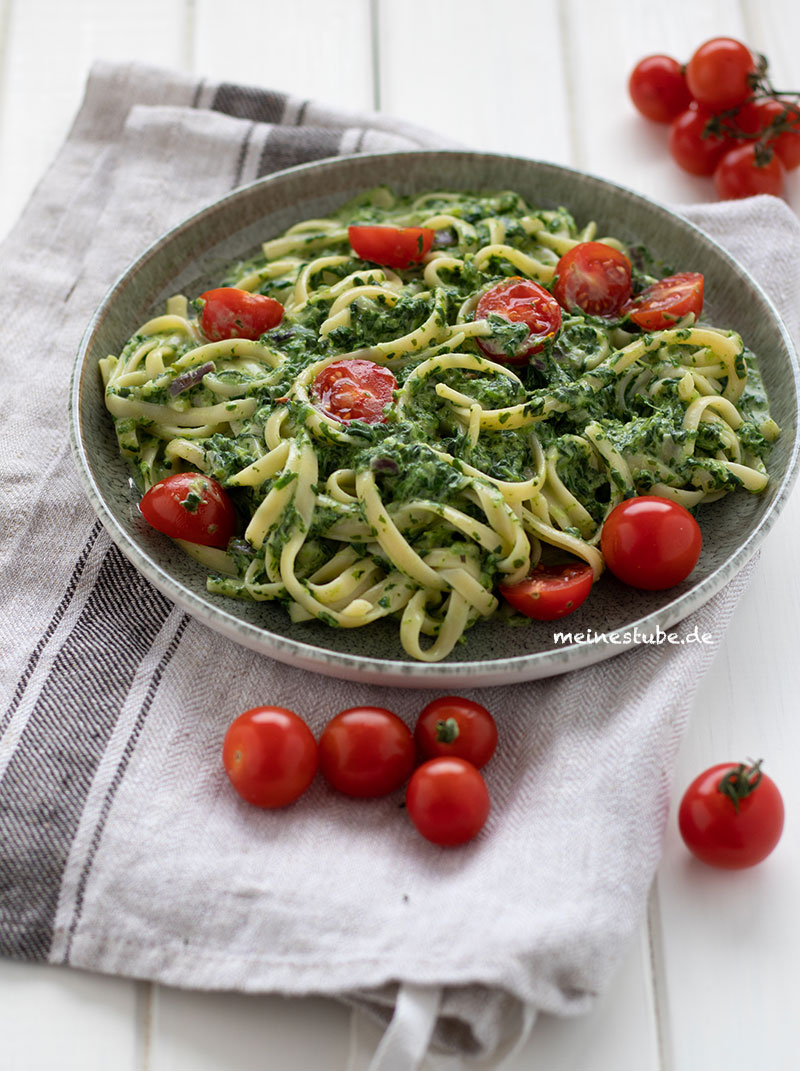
(237, 176)
(61, 609)
(197, 91)
(121, 770)
(46, 782)
(246, 102)
(288, 146)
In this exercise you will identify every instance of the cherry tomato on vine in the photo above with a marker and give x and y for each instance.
(354, 390)
(744, 172)
(658, 89)
(270, 756)
(689, 149)
(731, 816)
(549, 592)
(665, 302)
(190, 506)
(447, 800)
(519, 301)
(594, 278)
(392, 247)
(650, 543)
(366, 752)
(719, 73)
(780, 120)
(452, 726)
(229, 312)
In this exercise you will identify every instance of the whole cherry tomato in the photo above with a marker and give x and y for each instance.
(650, 542)
(667, 301)
(519, 301)
(745, 172)
(594, 278)
(190, 506)
(731, 816)
(366, 752)
(780, 121)
(447, 800)
(392, 247)
(229, 312)
(719, 73)
(455, 726)
(657, 87)
(550, 591)
(270, 756)
(690, 149)
(354, 390)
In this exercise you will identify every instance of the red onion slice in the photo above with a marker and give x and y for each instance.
(188, 379)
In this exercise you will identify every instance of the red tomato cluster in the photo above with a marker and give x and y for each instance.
(726, 118)
(271, 758)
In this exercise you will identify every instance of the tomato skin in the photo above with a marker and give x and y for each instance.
(448, 801)
(392, 247)
(452, 726)
(366, 752)
(651, 543)
(270, 756)
(520, 301)
(550, 592)
(740, 174)
(593, 278)
(689, 149)
(229, 312)
(718, 73)
(716, 833)
(354, 390)
(188, 505)
(658, 89)
(665, 302)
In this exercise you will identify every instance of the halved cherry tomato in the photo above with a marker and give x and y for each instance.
(690, 149)
(550, 591)
(366, 752)
(229, 312)
(447, 800)
(667, 301)
(354, 390)
(658, 89)
(190, 506)
(731, 816)
(719, 73)
(270, 756)
(520, 301)
(743, 172)
(593, 278)
(392, 247)
(454, 726)
(650, 542)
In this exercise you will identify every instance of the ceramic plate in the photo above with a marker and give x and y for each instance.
(191, 258)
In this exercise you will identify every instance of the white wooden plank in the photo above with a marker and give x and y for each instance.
(235, 1032)
(731, 938)
(490, 76)
(312, 49)
(49, 49)
(55, 1017)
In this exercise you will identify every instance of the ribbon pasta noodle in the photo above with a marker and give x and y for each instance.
(477, 468)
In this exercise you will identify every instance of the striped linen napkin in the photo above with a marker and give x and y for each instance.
(122, 847)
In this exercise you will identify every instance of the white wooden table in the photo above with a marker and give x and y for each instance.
(710, 980)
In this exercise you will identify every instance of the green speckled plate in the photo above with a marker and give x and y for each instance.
(190, 257)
